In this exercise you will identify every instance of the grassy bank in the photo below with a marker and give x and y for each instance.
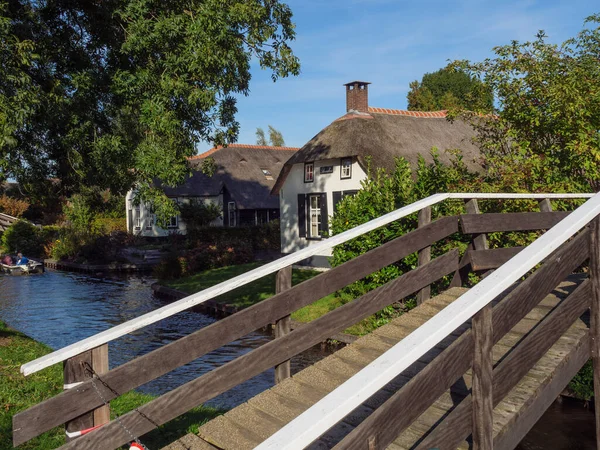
(18, 393)
(264, 288)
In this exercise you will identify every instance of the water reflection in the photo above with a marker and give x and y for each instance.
(59, 308)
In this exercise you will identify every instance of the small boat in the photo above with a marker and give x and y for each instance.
(25, 269)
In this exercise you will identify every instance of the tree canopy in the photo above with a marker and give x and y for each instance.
(118, 93)
(544, 134)
(449, 88)
(275, 137)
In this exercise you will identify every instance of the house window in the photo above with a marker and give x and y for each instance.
(314, 216)
(173, 221)
(137, 219)
(326, 169)
(149, 217)
(309, 172)
(346, 168)
(231, 212)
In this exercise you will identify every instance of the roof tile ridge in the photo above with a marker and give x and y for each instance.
(404, 112)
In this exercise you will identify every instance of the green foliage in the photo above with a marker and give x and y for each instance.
(381, 193)
(121, 93)
(199, 214)
(582, 385)
(543, 135)
(275, 137)
(23, 237)
(260, 137)
(79, 214)
(450, 89)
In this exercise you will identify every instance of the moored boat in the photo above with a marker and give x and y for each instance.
(26, 269)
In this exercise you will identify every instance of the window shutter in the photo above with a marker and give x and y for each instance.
(324, 215)
(337, 197)
(302, 215)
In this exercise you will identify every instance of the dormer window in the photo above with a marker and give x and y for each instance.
(267, 173)
(309, 172)
(346, 168)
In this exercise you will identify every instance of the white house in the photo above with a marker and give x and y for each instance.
(334, 162)
(241, 186)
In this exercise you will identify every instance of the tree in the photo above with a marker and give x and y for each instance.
(275, 137)
(449, 88)
(126, 89)
(260, 137)
(544, 134)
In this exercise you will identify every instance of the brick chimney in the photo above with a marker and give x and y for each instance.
(357, 96)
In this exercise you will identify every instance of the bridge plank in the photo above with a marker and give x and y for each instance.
(483, 408)
(595, 317)
(68, 405)
(497, 222)
(493, 258)
(410, 402)
(207, 386)
(457, 426)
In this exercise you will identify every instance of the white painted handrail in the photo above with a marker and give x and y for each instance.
(319, 418)
(245, 278)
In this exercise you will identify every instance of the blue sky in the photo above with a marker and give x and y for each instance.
(389, 43)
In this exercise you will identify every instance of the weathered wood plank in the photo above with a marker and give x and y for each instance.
(527, 419)
(479, 240)
(457, 426)
(193, 393)
(495, 222)
(464, 267)
(283, 325)
(483, 408)
(74, 371)
(413, 399)
(595, 316)
(424, 255)
(42, 417)
(492, 259)
(100, 366)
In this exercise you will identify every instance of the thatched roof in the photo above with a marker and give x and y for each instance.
(239, 169)
(384, 134)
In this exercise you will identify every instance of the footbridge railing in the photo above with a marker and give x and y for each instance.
(80, 405)
(562, 249)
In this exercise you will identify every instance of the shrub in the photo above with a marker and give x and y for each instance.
(108, 225)
(23, 237)
(12, 206)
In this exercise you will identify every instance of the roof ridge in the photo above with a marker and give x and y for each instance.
(254, 146)
(402, 112)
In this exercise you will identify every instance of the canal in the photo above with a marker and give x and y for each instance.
(59, 308)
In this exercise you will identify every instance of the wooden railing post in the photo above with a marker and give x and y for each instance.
(482, 395)
(595, 316)
(480, 240)
(424, 254)
(283, 325)
(75, 371)
(545, 205)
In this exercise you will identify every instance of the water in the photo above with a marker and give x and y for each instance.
(59, 308)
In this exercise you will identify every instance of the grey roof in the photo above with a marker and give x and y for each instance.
(240, 171)
(385, 134)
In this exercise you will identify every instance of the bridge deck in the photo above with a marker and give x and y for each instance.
(250, 423)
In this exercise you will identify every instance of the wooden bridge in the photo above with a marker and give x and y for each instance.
(467, 368)
(6, 221)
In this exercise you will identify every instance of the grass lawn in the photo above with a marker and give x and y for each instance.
(18, 393)
(262, 289)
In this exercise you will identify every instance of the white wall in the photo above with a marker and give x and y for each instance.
(294, 185)
(157, 231)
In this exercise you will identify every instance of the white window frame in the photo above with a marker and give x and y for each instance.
(137, 217)
(173, 221)
(309, 172)
(346, 168)
(231, 214)
(149, 217)
(314, 213)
